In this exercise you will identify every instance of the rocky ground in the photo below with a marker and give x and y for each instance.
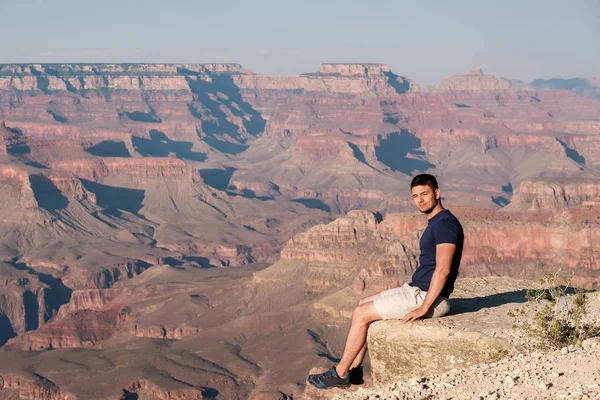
(562, 374)
(569, 373)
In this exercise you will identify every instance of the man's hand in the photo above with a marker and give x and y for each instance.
(415, 314)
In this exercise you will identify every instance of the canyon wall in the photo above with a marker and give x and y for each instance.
(369, 254)
(331, 136)
(553, 194)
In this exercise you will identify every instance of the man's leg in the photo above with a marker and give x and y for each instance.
(356, 346)
(359, 357)
(362, 317)
(403, 301)
(361, 354)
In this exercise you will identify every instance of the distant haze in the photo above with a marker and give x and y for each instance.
(425, 41)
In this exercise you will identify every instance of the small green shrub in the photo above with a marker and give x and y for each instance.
(554, 317)
(498, 354)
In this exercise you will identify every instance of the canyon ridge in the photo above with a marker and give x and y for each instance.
(201, 231)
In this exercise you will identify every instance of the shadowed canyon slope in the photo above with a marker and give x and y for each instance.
(130, 190)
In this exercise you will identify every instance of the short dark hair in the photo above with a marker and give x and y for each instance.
(424, 179)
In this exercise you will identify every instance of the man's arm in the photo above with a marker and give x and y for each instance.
(444, 253)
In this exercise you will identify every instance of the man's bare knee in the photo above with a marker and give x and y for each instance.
(364, 314)
(358, 315)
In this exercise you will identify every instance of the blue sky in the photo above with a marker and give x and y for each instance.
(424, 40)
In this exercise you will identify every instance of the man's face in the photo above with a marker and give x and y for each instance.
(425, 198)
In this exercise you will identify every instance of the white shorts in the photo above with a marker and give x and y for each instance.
(396, 303)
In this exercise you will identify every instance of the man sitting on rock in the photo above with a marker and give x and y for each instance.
(426, 296)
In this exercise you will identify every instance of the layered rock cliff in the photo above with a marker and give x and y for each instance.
(352, 79)
(552, 194)
(362, 252)
(475, 80)
(333, 135)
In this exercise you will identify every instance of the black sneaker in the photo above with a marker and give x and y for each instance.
(356, 375)
(329, 379)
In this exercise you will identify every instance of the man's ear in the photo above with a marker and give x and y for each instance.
(437, 194)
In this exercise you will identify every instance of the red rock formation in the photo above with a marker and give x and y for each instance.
(42, 130)
(145, 388)
(104, 278)
(341, 236)
(89, 299)
(139, 169)
(327, 255)
(28, 389)
(21, 301)
(475, 80)
(5, 135)
(164, 332)
(382, 255)
(334, 78)
(81, 329)
(546, 194)
(20, 179)
(67, 183)
(344, 112)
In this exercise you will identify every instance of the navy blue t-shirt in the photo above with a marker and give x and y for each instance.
(442, 228)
